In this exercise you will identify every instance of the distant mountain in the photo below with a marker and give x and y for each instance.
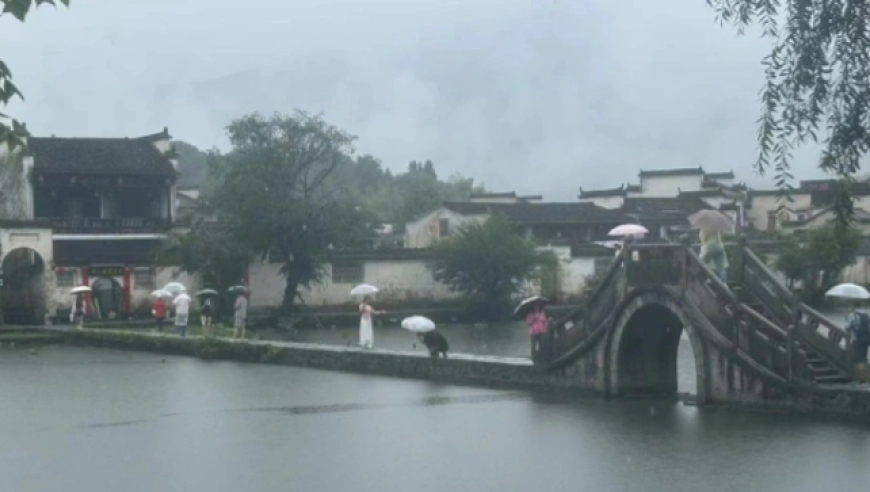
(192, 164)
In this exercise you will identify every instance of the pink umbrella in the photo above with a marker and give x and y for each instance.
(628, 230)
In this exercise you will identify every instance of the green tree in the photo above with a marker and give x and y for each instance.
(210, 251)
(274, 194)
(489, 263)
(818, 263)
(12, 131)
(792, 263)
(816, 88)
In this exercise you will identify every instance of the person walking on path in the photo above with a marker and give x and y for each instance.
(713, 253)
(366, 330)
(538, 326)
(240, 315)
(158, 309)
(207, 312)
(435, 342)
(182, 310)
(79, 311)
(858, 326)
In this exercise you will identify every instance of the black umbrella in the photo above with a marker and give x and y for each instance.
(524, 307)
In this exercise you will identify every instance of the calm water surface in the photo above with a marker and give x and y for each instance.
(76, 419)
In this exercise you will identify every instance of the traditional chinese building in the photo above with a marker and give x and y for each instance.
(88, 211)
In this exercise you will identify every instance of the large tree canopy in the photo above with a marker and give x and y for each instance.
(12, 131)
(818, 83)
(274, 196)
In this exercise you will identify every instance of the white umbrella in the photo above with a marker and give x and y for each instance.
(711, 220)
(207, 292)
(238, 288)
(523, 308)
(175, 288)
(364, 290)
(418, 324)
(161, 293)
(626, 230)
(81, 289)
(848, 291)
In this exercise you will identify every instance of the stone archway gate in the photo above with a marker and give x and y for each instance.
(36, 236)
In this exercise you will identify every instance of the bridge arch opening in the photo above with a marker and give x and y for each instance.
(654, 357)
(23, 291)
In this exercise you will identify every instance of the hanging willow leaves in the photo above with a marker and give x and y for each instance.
(818, 83)
(12, 131)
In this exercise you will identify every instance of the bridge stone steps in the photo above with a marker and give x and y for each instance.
(754, 319)
(821, 370)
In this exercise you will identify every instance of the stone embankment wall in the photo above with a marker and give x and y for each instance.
(844, 404)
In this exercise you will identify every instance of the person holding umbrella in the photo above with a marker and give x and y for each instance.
(366, 329)
(713, 253)
(206, 310)
(240, 313)
(207, 315)
(712, 224)
(182, 311)
(434, 341)
(536, 319)
(857, 326)
(77, 314)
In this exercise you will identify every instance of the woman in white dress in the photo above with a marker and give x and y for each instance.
(366, 332)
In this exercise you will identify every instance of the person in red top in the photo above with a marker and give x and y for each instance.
(159, 312)
(537, 321)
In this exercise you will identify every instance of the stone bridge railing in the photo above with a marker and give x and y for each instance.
(756, 317)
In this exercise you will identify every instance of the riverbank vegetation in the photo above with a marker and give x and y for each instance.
(815, 265)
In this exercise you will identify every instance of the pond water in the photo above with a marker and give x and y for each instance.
(79, 419)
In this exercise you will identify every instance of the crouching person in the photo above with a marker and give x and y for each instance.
(435, 342)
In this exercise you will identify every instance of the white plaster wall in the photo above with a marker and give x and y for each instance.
(189, 192)
(421, 233)
(484, 199)
(573, 273)
(26, 168)
(669, 186)
(609, 202)
(163, 146)
(761, 205)
(859, 272)
(39, 240)
(722, 181)
(398, 280)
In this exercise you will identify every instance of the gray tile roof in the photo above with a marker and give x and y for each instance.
(125, 156)
(527, 213)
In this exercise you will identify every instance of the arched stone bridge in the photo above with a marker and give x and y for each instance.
(753, 342)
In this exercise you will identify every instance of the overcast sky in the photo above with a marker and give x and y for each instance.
(537, 96)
